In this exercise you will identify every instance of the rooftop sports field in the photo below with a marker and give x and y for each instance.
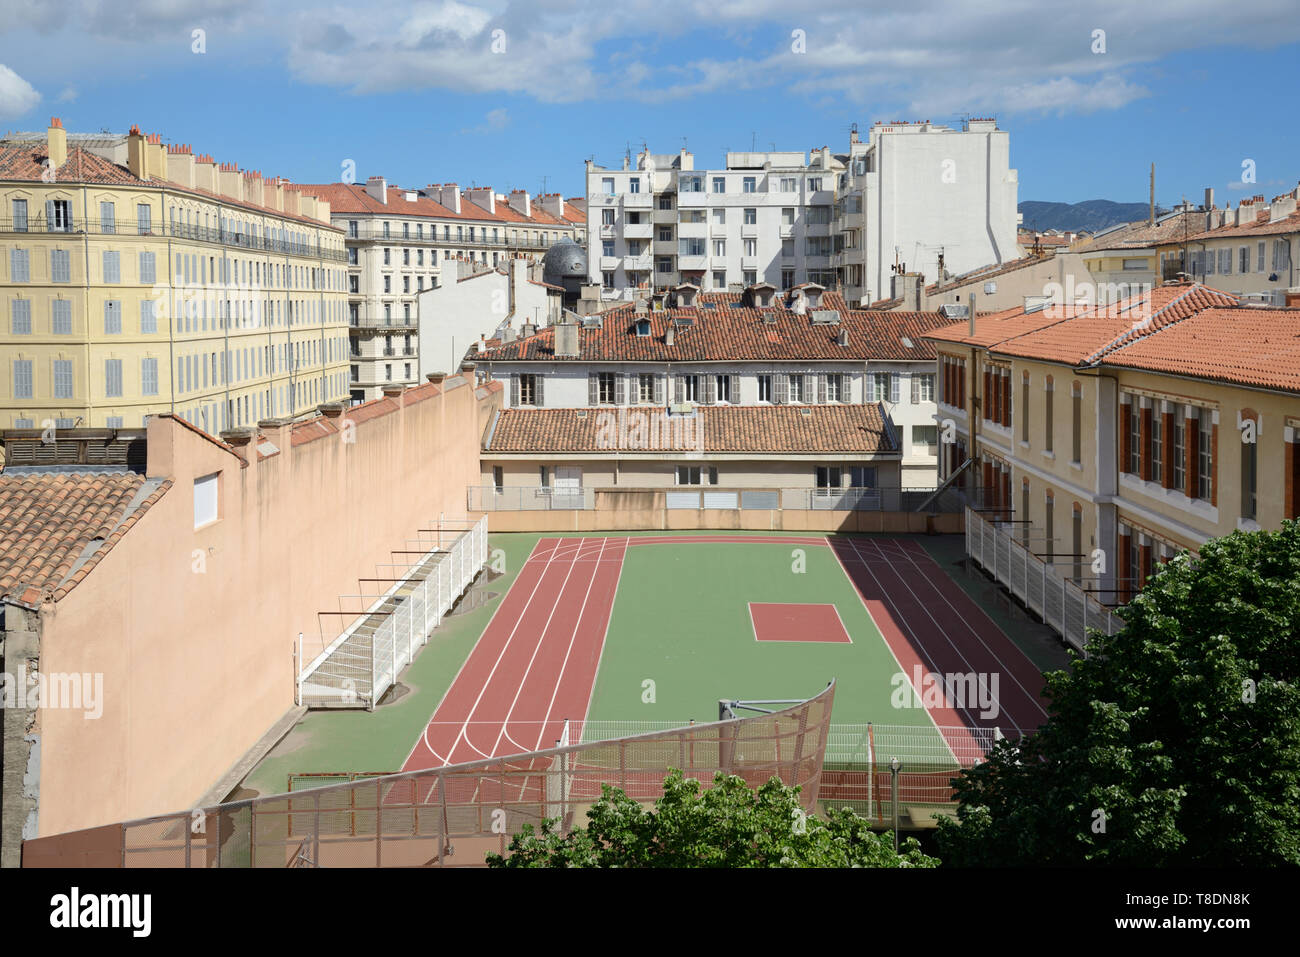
(648, 629)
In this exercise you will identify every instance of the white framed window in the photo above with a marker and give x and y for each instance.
(697, 475)
(835, 387)
(751, 216)
(751, 247)
(719, 216)
(796, 389)
(720, 279)
(750, 184)
(751, 277)
(207, 499)
(20, 215)
(764, 388)
(719, 184)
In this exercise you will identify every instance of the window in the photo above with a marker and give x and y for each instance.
(59, 213)
(148, 268)
(722, 388)
(388, 256)
(787, 216)
(607, 186)
(749, 184)
(819, 215)
(751, 216)
(21, 317)
(719, 216)
(60, 265)
(61, 317)
(112, 266)
(1076, 424)
(1135, 264)
(107, 218)
(797, 391)
(880, 386)
(789, 184)
(719, 184)
(607, 247)
(922, 387)
(1243, 260)
(1249, 477)
(828, 476)
(19, 266)
(205, 499)
(528, 393)
(787, 278)
(1259, 264)
(817, 245)
(751, 247)
(634, 185)
(1204, 455)
(665, 234)
(750, 277)
(720, 279)
(148, 319)
(862, 476)
(1157, 444)
(22, 378)
(149, 376)
(719, 248)
(20, 215)
(63, 378)
(112, 317)
(925, 438)
(1179, 450)
(607, 279)
(605, 388)
(113, 378)
(765, 388)
(1047, 416)
(663, 264)
(695, 474)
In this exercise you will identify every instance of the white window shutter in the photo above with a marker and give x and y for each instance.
(538, 395)
(659, 390)
(895, 383)
(593, 389)
(514, 390)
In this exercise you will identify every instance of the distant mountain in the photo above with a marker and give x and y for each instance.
(1090, 215)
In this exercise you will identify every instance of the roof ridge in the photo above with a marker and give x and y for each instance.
(1150, 327)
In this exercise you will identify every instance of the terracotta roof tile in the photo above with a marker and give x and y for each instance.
(721, 328)
(734, 429)
(48, 518)
(353, 198)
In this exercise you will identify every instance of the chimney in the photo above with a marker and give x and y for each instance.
(552, 203)
(157, 156)
(1209, 197)
(230, 182)
(842, 337)
(137, 156)
(520, 202)
(971, 306)
(377, 188)
(205, 173)
(445, 194)
(180, 165)
(331, 410)
(56, 139)
(668, 335)
(483, 197)
(1281, 208)
(566, 340)
(1293, 299)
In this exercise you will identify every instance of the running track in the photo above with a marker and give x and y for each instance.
(536, 662)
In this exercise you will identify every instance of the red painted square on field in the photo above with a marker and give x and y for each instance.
(794, 621)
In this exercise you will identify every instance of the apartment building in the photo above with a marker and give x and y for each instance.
(1116, 436)
(660, 222)
(1127, 256)
(400, 241)
(923, 198)
(139, 278)
(783, 372)
(1250, 251)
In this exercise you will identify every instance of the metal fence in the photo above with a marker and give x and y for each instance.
(513, 498)
(1059, 602)
(362, 662)
(453, 816)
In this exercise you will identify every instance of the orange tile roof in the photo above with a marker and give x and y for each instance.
(23, 161)
(47, 520)
(730, 330)
(353, 198)
(1261, 227)
(1140, 235)
(728, 429)
(1245, 346)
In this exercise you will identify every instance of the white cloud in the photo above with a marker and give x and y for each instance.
(17, 96)
(493, 121)
(69, 95)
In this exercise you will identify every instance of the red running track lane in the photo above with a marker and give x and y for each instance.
(536, 662)
(927, 620)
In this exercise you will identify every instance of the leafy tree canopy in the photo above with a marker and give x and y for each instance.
(1176, 741)
(728, 825)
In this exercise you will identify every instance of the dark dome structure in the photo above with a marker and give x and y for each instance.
(565, 264)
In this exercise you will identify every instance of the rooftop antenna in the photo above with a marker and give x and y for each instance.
(753, 140)
(543, 188)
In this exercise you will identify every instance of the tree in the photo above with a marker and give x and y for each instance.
(728, 825)
(1176, 741)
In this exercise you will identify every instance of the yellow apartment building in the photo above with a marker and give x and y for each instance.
(138, 278)
(1110, 438)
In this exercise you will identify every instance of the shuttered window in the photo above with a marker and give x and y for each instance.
(63, 378)
(19, 266)
(61, 317)
(20, 313)
(113, 378)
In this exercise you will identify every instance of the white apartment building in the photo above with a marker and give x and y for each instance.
(764, 217)
(926, 199)
(400, 241)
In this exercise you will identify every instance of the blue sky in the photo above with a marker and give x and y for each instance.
(507, 93)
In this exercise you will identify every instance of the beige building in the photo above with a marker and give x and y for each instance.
(139, 278)
(1114, 437)
(166, 580)
(1252, 251)
(403, 242)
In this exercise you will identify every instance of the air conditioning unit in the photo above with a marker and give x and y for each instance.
(951, 310)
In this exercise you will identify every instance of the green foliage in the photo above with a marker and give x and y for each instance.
(728, 825)
(1175, 742)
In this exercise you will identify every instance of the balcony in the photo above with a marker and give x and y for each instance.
(852, 221)
(665, 247)
(749, 231)
(638, 200)
(786, 231)
(748, 262)
(608, 232)
(693, 200)
(637, 230)
(368, 322)
(639, 263)
(693, 230)
(610, 262)
(692, 263)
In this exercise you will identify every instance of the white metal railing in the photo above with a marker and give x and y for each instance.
(364, 660)
(1061, 603)
(514, 498)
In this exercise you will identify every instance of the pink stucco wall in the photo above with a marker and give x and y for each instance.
(194, 630)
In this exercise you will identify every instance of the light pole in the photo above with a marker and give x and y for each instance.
(893, 786)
